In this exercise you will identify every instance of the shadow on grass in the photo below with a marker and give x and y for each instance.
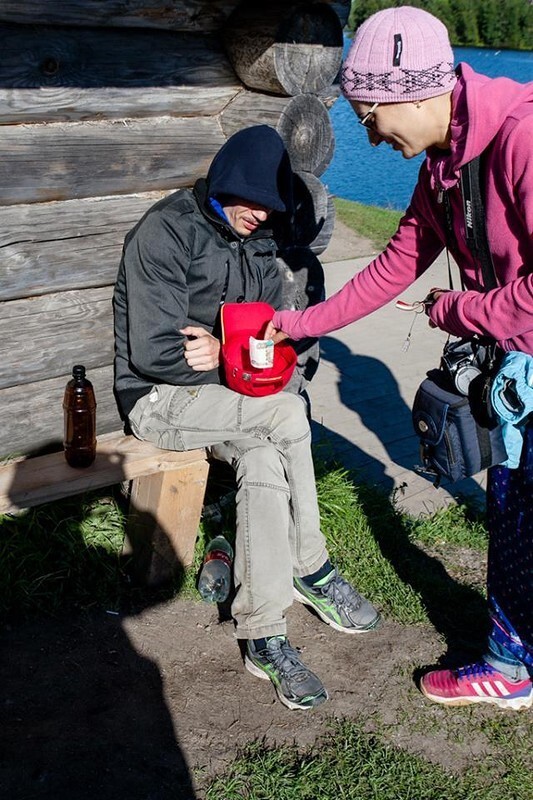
(85, 715)
(367, 387)
(457, 611)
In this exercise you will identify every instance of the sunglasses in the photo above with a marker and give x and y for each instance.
(367, 120)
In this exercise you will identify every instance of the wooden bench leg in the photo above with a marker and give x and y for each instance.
(165, 510)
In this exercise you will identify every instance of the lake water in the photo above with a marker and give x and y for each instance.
(379, 176)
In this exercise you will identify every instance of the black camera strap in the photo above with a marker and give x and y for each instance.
(478, 243)
(475, 227)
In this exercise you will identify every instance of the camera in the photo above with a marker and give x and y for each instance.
(460, 362)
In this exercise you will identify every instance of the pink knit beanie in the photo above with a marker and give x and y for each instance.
(398, 55)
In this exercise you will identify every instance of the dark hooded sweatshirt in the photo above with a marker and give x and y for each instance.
(182, 260)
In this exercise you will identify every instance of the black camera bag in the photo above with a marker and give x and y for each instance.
(455, 441)
(459, 435)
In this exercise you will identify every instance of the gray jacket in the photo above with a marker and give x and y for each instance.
(178, 264)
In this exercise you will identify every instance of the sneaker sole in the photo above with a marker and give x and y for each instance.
(512, 704)
(301, 598)
(259, 673)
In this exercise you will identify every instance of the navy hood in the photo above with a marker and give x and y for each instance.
(255, 166)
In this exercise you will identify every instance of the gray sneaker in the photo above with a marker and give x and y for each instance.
(338, 603)
(295, 684)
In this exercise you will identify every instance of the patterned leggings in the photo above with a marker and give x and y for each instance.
(510, 561)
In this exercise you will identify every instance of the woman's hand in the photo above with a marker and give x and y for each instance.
(202, 349)
(274, 333)
(432, 296)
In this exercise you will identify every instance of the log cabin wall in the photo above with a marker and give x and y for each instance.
(104, 108)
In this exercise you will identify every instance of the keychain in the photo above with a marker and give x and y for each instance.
(419, 307)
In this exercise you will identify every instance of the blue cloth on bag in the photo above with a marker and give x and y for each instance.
(512, 400)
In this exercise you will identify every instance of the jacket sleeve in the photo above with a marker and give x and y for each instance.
(505, 313)
(156, 260)
(412, 249)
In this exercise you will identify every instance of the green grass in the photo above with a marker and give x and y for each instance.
(352, 764)
(60, 555)
(371, 222)
(69, 554)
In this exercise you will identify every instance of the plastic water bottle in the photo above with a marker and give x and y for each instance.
(79, 407)
(215, 578)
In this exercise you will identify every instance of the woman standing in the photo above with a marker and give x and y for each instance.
(400, 80)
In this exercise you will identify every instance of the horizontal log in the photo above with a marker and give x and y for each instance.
(94, 58)
(32, 413)
(284, 48)
(72, 105)
(42, 337)
(74, 74)
(201, 16)
(71, 244)
(77, 244)
(87, 159)
(303, 123)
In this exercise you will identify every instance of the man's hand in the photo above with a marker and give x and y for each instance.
(202, 350)
(274, 334)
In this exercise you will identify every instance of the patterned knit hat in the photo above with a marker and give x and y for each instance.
(398, 55)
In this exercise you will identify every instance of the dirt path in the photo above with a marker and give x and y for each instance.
(105, 706)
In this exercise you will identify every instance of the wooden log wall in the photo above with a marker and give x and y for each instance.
(106, 107)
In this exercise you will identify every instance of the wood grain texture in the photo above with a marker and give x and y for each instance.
(314, 215)
(32, 413)
(71, 244)
(41, 337)
(303, 122)
(72, 104)
(76, 74)
(94, 58)
(87, 159)
(119, 458)
(165, 510)
(284, 48)
(185, 15)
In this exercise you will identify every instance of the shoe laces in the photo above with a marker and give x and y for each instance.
(476, 670)
(285, 659)
(342, 593)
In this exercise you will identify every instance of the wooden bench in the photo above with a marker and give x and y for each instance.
(166, 495)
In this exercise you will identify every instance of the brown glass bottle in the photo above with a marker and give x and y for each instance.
(79, 406)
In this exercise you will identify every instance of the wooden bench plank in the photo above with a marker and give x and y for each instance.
(166, 497)
(165, 511)
(119, 458)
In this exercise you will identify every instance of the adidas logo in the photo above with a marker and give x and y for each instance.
(485, 688)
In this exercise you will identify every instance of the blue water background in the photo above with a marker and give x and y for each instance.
(379, 176)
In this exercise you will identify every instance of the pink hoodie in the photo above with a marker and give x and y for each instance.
(496, 112)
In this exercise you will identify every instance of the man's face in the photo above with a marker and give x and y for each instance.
(244, 216)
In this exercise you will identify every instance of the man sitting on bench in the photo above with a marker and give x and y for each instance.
(189, 253)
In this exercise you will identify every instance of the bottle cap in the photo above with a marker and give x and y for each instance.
(78, 371)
